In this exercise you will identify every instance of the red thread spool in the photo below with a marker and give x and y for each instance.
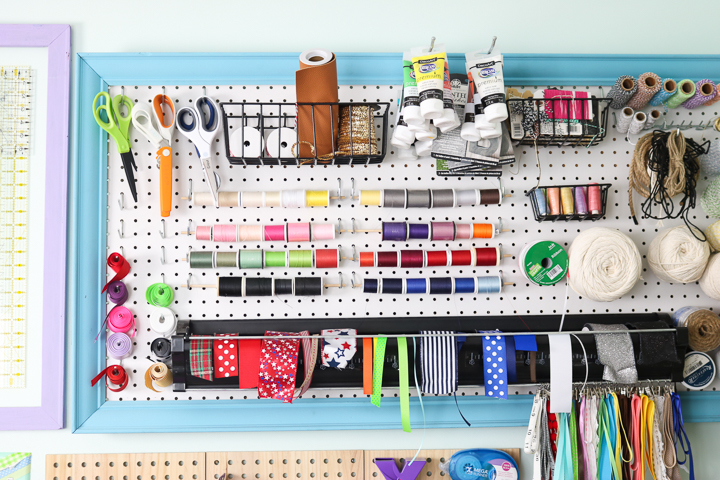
(437, 258)
(387, 259)
(461, 257)
(367, 259)
(487, 257)
(327, 258)
(412, 259)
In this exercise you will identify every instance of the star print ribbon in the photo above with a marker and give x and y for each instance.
(278, 366)
(119, 265)
(226, 357)
(337, 352)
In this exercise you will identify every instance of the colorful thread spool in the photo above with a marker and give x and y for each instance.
(685, 90)
(553, 200)
(568, 203)
(594, 199)
(298, 232)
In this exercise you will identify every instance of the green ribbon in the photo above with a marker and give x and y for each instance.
(378, 363)
(159, 295)
(404, 383)
(574, 440)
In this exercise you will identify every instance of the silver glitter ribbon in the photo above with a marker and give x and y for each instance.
(615, 351)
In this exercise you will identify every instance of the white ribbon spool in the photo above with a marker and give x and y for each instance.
(163, 321)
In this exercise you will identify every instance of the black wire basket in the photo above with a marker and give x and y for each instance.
(547, 216)
(558, 121)
(350, 145)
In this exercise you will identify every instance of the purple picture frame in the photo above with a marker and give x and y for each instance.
(50, 415)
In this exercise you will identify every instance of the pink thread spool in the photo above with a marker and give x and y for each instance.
(323, 231)
(443, 231)
(298, 232)
(203, 233)
(594, 200)
(274, 233)
(250, 233)
(121, 320)
(463, 231)
(553, 196)
(225, 233)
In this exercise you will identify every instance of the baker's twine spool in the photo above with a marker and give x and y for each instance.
(703, 328)
(710, 199)
(712, 233)
(677, 256)
(710, 161)
(604, 264)
(710, 281)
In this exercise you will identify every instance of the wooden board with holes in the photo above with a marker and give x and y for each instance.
(125, 466)
(316, 465)
(431, 471)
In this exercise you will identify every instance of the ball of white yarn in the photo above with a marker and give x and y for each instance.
(604, 264)
(675, 255)
(710, 281)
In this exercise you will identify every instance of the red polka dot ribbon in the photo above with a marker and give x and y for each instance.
(226, 357)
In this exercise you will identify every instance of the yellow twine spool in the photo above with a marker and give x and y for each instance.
(317, 198)
(713, 236)
(160, 374)
(371, 197)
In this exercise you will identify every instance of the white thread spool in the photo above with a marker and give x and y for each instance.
(253, 199)
(637, 123)
(246, 142)
(675, 255)
(604, 264)
(653, 117)
(293, 198)
(626, 116)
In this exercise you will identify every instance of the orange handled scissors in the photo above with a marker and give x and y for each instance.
(158, 125)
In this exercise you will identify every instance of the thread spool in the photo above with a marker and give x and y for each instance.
(204, 233)
(121, 320)
(367, 259)
(624, 120)
(438, 286)
(443, 198)
(392, 286)
(225, 233)
(246, 142)
(467, 198)
(443, 231)
(543, 262)
(274, 233)
(434, 286)
(704, 92)
(580, 202)
(273, 199)
(250, 259)
(284, 286)
(160, 375)
(253, 199)
(317, 198)
(163, 321)
(418, 199)
(594, 199)
(487, 256)
(250, 233)
(266, 287)
(676, 256)
(567, 201)
(539, 195)
(308, 286)
(276, 259)
(464, 231)
(161, 348)
(553, 200)
(669, 87)
(119, 346)
(710, 162)
(652, 117)
(710, 281)
(225, 199)
(293, 198)
(298, 232)
(685, 90)
(483, 230)
(637, 123)
(300, 259)
(712, 233)
(703, 327)
(438, 258)
(604, 264)
(462, 258)
(202, 260)
(492, 196)
(396, 198)
(371, 285)
(716, 98)
(327, 258)
(279, 143)
(698, 371)
(394, 231)
(412, 259)
(419, 231)
(226, 259)
(322, 231)
(648, 85)
(622, 91)
(371, 197)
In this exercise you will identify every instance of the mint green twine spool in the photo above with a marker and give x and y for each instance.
(300, 259)
(251, 259)
(710, 199)
(710, 162)
(685, 90)
(274, 259)
(159, 295)
(201, 260)
(225, 259)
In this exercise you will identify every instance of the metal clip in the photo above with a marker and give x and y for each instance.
(162, 230)
(189, 197)
(352, 188)
(355, 257)
(499, 228)
(341, 279)
(339, 191)
(352, 280)
(338, 230)
(189, 227)
(204, 91)
(121, 201)
(121, 230)
(353, 226)
(162, 256)
(189, 284)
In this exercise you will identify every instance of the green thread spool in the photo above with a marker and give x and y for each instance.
(225, 259)
(300, 259)
(159, 294)
(274, 259)
(201, 259)
(685, 90)
(251, 259)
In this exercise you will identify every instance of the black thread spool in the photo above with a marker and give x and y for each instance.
(283, 286)
(160, 347)
(371, 285)
(258, 287)
(308, 286)
(392, 286)
(230, 286)
(441, 286)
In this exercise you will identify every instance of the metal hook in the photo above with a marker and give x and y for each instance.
(163, 277)
(121, 230)
(352, 280)
(614, 118)
(352, 188)
(189, 285)
(700, 127)
(353, 226)
(355, 255)
(122, 252)
(189, 197)
(163, 90)
(688, 126)
(162, 256)
(204, 91)
(602, 92)
(189, 227)
(122, 90)
(121, 201)
(162, 230)
(341, 279)
(432, 44)
(339, 191)
(492, 45)
(499, 228)
(339, 230)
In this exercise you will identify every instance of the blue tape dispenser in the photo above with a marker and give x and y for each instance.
(481, 464)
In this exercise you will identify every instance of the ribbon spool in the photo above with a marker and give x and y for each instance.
(703, 327)
(698, 371)
(121, 320)
(161, 348)
(543, 262)
(119, 265)
(246, 142)
(160, 374)
(119, 346)
(159, 295)
(114, 375)
(163, 321)
(117, 292)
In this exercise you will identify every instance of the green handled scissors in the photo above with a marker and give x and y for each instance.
(110, 119)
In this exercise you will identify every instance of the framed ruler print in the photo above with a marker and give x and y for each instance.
(34, 120)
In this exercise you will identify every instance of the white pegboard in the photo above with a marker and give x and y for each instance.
(142, 243)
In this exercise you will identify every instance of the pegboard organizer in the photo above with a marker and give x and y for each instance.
(129, 466)
(156, 256)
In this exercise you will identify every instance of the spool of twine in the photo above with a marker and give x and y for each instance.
(703, 330)
(710, 199)
(710, 281)
(710, 161)
(357, 123)
(712, 233)
(675, 255)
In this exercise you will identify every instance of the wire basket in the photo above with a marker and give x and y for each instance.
(360, 138)
(547, 216)
(558, 121)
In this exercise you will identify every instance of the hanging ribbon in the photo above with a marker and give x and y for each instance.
(225, 356)
(495, 366)
(681, 437)
(249, 363)
(159, 295)
(337, 352)
(160, 374)
(404, 383)
(115, 375)
(278, 367)
(310, 353)
(367, 366)
(201, 359)
(119, 265)
(378, 364)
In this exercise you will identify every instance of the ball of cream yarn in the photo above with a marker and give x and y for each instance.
(604, 264)
(676, 256)
(710, 281)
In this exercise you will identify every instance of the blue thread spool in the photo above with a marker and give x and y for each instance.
(441, 286)
(465, 285)
(490, 284)
(540, 201)
(392, 286)
(419, 231)
(370, 285)
(416, 285)
(394, 231)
